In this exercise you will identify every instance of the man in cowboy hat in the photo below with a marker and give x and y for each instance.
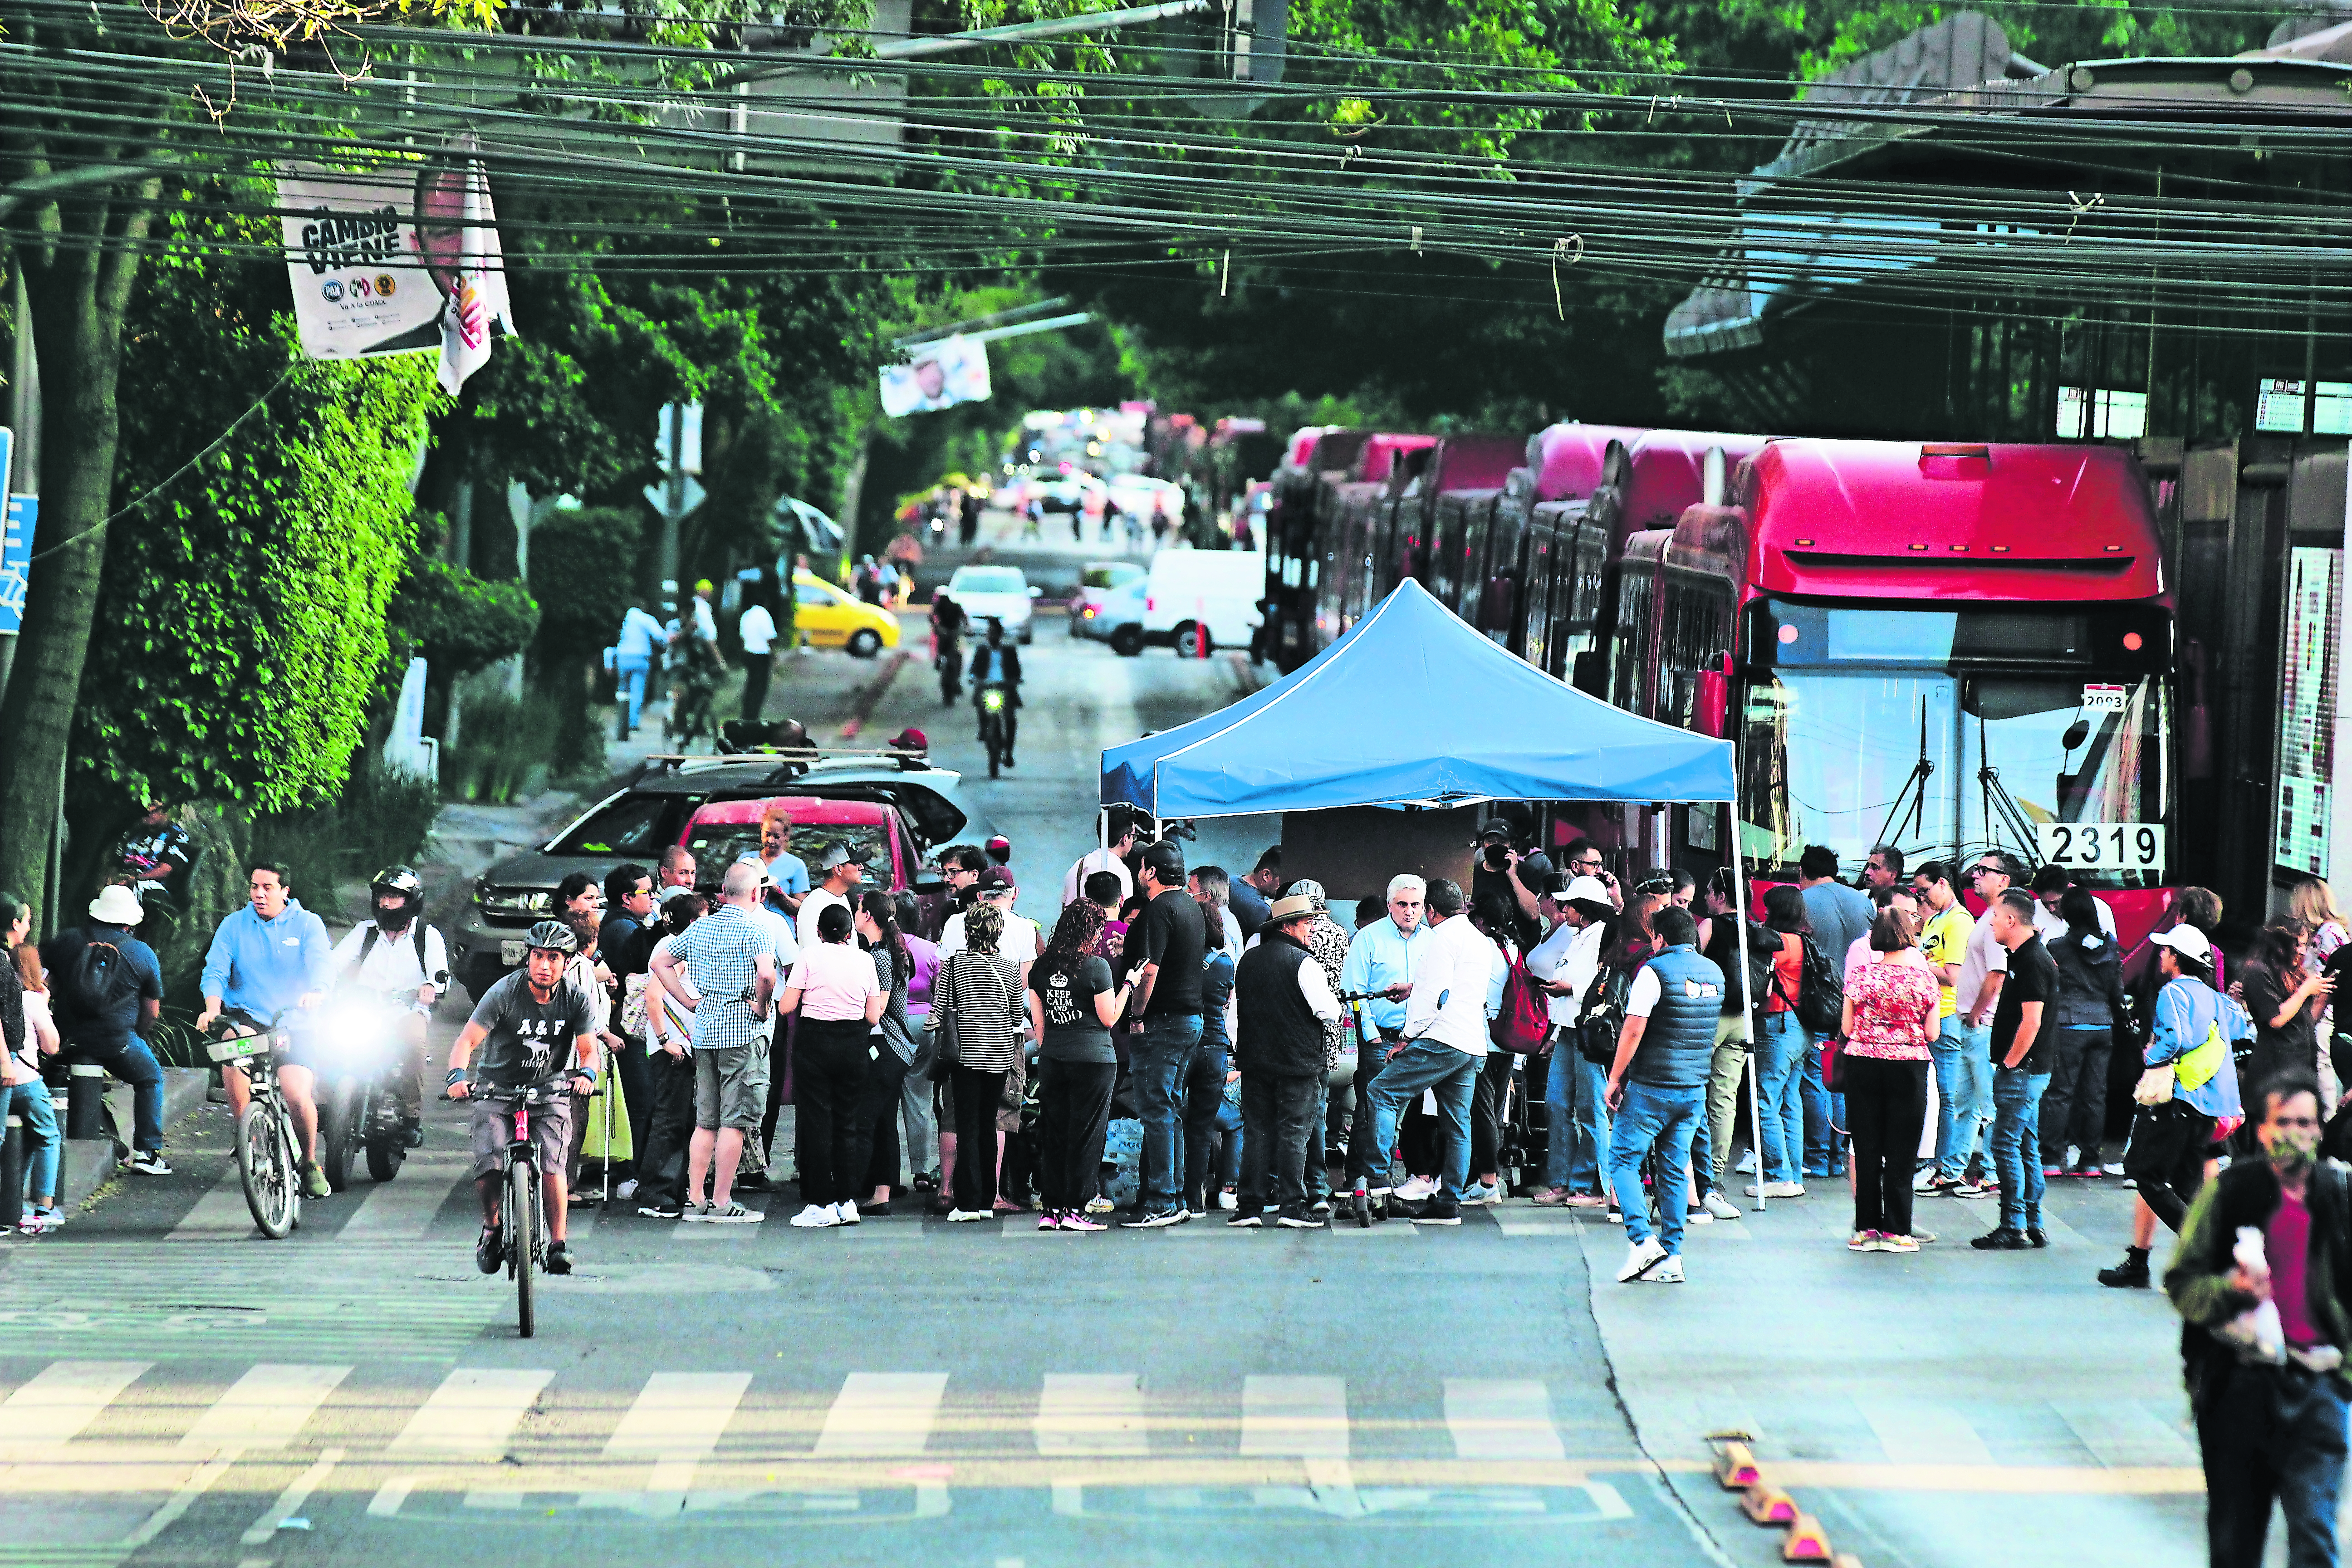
(1284, 1001)
(107, 989)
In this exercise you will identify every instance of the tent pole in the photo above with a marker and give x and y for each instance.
(1747, 1013)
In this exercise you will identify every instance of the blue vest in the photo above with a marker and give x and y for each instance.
(1678, 1046)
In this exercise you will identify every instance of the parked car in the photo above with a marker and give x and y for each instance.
(994, 593)
(722, 832)
(657, 809)
(829, 618)
(1190, 595)
(1100, 582)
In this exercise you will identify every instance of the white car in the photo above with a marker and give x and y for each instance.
(1138, 495)
(993, 592)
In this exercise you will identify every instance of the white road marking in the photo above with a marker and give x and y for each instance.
(1922, 1434)
(61, 1399)
(403, 1208)
(679, 1416)
(1501, 1419)
(1092, 1414)
(220, 1214)
(1294, 1417)
(289, 1502)
(880, 1413)
(266, 1408)
(2124, 1433)
(473, 1413)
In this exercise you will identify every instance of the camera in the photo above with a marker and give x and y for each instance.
(1496, 856)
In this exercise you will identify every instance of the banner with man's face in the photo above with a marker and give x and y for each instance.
(938, 375)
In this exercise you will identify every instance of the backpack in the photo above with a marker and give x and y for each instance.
(416, 934)
(95, 976)
(1819, 1000)
(1602, 1020)
(1524, 1026)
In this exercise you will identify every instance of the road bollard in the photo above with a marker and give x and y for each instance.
(12, 1173)
(85, 1101)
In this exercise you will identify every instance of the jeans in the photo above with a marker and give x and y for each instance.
(661, 1158)
(2271, 1432)
(30, 1102)
(1204, 1096)
(629, 694)
(1963, 1082)
(1428, 1064)
(1780, 1098)
(1073, 1115)
(2017, 1143)
(131, 1061)
(1666, 1117)
(1486, 1114)
(1824, 1114)
(1158, 1068)
(2075, 1109)
(1578, 1119)
(1276, 1109)
(1888, 1102)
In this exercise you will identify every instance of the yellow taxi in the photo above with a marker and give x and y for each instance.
(825, 616)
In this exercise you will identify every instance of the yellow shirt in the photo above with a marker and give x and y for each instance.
(1946, 941)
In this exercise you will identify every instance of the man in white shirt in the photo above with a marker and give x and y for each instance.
(2050, 884)
(1565, 964)
(757, 628)
(1111, 858)
(840, 870)
(397, 954)
(1020, 943)
(1445, 1043)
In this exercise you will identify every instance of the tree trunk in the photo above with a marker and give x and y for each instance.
(77, 290)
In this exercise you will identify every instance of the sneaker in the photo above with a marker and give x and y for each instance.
(40, 1222)
(490, 1249)
(1697, 1215)
(1747, 1166)
(968, 1216)
(1438, 1211)
(149, 1162)
(1967, 1189)
(2050, 1171)
(1080, 1222)
(697, 1210)
(2001, 1239)
(2131, 1274)
(627, 1189)
(736, 1214)
(1588, 1201)
(1862, 1241)
(1639, 1259)
(1247, 1219)
(1225, 1200)
(1049, 1220)
(1320, 1208)
(1101, 1204)
(848, 1213)
(2036, 1236)
(1418, 1190)
(2113, 1168)
(814, 1216)
(1720, 1207)
(1775, 1190)
(1616, 1215)
(1930, 1185)
(1922, 1236)
(1898, 1244)
(1299, 1222)
(559, 1258)
(1158, 1219)
(1482, 1195)
(314, 1180)
(1669, 1271)
(657, 1210)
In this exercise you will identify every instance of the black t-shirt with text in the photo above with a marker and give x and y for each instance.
(529, 1040)
(2032, 977)
(1074, 1032)
(1173, 934)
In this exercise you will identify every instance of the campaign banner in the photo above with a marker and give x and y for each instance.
(937, 375)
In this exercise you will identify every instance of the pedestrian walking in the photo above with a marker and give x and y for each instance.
(980, 989)
(1170, 946)
(1285, 1004)
(2191, 1082)
(2270, 1403)
(1445, 1042)
(2090, 998)
(1892, 1005)
(1657, 1092)
(1073, 1002)
(667, 1044)
(1787, 1043)
(640, 643)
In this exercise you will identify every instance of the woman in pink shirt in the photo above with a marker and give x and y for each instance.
(1890, 1016)
(840, 999)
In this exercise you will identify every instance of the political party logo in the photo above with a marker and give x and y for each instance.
(332, 290)
(360, 288)
(384, 284)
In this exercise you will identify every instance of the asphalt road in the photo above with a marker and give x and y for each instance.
(175, 1390)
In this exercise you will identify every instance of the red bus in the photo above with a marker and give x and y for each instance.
(1317, 454)
(1351, 516)
(1949, 647)
(1542, 570)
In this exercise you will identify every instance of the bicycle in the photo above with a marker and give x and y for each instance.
(522, 1210)
(269, 1150)
(995, 697)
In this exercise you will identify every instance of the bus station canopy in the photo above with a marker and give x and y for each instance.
(1412, 707)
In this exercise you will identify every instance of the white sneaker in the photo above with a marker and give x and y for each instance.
(1485, 1192)
(2116, 1169)
(848, 1213)
(1639, 1259)
(1101, 1204)
(1720, 1207)
(1747, 1166)
(1418, 1189)
(964, 1216)
(1669, 1271)
(627, 1189)
(816, 1217)
(1776, 1190)
(1697, 1215)
(1226, 1202)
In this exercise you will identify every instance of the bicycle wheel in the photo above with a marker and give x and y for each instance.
(266, 1169)
(522, 1242)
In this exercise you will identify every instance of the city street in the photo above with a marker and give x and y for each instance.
(180, 1391)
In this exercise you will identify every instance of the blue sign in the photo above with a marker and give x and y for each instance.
(16, 560)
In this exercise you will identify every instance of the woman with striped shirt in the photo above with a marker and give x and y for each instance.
(982, 989)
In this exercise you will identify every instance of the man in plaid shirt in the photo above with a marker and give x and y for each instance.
(724, 960)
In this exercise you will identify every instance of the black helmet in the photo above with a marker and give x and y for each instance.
(554, 936)
(400, 881)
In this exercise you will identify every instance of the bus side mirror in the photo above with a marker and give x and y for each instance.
(1710, 702)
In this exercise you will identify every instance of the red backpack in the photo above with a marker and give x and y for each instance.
(1524, 1024)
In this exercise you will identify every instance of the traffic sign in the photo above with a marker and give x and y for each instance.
(16, 560)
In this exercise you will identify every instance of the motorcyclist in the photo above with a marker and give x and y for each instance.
(398, 956)
(270, 957)
(995, 662)
(947, 621)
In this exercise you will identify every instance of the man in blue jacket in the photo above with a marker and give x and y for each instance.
(1657, 1089)
(271, 956)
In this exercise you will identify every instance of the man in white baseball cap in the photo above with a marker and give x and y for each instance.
(107, 989)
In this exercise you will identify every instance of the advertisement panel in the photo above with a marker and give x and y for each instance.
(937, 375)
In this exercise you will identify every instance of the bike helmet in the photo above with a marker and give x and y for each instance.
(554, 936)
(402, 881)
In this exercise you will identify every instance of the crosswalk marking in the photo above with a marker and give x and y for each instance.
(2126, 1433)
(1294, 1417)
(403, 1209)
(266, 1408)
(1092, 1414)
(679, 1416)
(62, 1398)
(1920, 1434)
(474, 1411)
(220, 1214)
(880, 1413)
(1501, 1419)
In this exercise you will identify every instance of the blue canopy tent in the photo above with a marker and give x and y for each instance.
(1412, 708)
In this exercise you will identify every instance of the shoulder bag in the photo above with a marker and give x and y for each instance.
(1602, 1018)
(943, 1025)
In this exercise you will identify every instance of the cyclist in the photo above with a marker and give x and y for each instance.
(993, 661)
(271, 956)
(948, 622)
(522, 1027)
(397, 954)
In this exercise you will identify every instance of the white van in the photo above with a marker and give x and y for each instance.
(1186, 587)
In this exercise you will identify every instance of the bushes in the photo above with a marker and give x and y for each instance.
(504, 748)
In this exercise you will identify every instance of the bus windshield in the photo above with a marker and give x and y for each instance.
(1949, 762)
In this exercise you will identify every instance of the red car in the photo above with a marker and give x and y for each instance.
(723, 831)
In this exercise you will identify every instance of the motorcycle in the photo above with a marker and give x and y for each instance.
(995, 702)
(951, 663)
(362, 1058)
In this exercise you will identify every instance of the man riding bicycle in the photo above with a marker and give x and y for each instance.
(992, 661)
(521, 1027)
(397, 956)
(271, 957)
